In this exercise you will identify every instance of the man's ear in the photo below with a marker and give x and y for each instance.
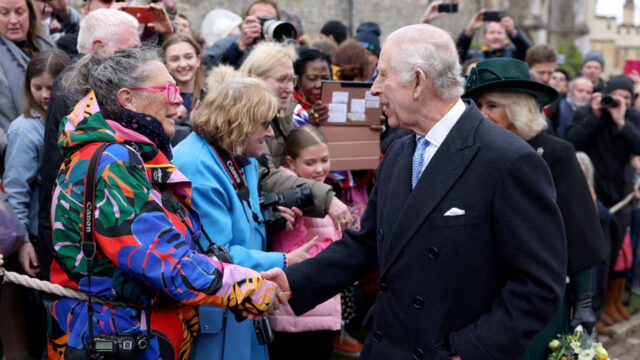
(126, 99)
(420, 83)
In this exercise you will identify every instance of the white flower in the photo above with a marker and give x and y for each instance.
(600, 351)
(586, 354)
(575, 346)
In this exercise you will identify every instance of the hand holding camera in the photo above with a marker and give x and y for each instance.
(614, 104)
(433, 12)
(476, 22)
(250, 31)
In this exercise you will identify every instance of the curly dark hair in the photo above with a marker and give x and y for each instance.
(307, 54)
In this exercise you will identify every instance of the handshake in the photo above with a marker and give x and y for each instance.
(283, 293)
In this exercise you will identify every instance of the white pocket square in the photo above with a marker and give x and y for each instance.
(454, 211)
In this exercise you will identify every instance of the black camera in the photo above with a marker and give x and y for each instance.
(608, 102)
(494, 16)
(119, 346)
(280, 31)
(263, 331)
(220, 253)
(451, 7)
(300, 197)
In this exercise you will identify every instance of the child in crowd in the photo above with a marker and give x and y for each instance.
(312, 334)
(26, 146)
(21, 180)
(184, 61)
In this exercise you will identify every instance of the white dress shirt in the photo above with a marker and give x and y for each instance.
(440, 130)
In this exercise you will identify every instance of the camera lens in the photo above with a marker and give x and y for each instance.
(279, 30)
(608, 102)
(142, 343)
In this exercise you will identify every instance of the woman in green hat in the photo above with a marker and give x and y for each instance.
(505, 94)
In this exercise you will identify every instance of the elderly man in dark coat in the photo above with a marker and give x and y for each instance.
(462, 223)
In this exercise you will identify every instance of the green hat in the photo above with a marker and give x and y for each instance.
(506, 74)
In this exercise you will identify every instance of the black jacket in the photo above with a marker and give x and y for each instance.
(480, 284)
(586, 245)
(518, 50)
(609, 148)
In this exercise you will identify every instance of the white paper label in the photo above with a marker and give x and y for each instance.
(340, 97)
(357, 105)
(373, 104)
(357, 116)
(338, 112)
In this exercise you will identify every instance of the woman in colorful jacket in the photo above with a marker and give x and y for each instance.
(230, 127)
(145, 229)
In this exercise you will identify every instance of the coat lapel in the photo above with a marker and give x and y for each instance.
(443, 170)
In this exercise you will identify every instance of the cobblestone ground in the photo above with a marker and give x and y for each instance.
(629, 349)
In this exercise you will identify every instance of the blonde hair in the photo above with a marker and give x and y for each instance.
(266, 56)
(234, 108)
(523, 112)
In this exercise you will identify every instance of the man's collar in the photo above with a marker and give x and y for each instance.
(441, 129)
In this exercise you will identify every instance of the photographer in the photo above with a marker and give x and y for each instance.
(233, 49)
(495, 39)
(609, 132)
(219, 157)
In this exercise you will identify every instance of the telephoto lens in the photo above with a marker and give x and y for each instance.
(280, 31)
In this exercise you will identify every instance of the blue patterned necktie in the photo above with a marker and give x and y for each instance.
(418, 160)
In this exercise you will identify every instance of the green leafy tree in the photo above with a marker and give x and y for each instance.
(572, 59)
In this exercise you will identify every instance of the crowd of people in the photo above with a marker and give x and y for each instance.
(141, 160)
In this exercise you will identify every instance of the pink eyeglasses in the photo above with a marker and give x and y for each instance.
(171, 89)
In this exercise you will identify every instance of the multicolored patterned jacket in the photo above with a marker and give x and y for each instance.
(146, 234)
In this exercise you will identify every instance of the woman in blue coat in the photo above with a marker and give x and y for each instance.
(230, 126)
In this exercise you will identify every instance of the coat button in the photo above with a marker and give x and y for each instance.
(418, 353)
(380, 234)
(418, 302)
(382, 288)
(377, 336)
(434, 253)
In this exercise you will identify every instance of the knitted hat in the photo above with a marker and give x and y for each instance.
(595, 55)
(335, 28)
(619, 82)
(368, 34)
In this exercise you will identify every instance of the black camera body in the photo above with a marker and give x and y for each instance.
(278, 30)
(263, 331)
(300, 197)
(220, 253)
(119, 346)
(608, 102)
(451, 7)
(494, 16)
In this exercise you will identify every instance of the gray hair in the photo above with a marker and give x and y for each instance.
(436, 57)
(523, 112)
(102, 24)
(106, 75)
(573, 82)
(587, 167)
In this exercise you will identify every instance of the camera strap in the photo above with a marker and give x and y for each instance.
(88, 244)
(234, 173)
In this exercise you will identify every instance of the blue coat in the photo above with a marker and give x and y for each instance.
(229, 221)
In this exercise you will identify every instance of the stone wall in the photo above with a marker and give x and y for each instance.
(390, 14)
